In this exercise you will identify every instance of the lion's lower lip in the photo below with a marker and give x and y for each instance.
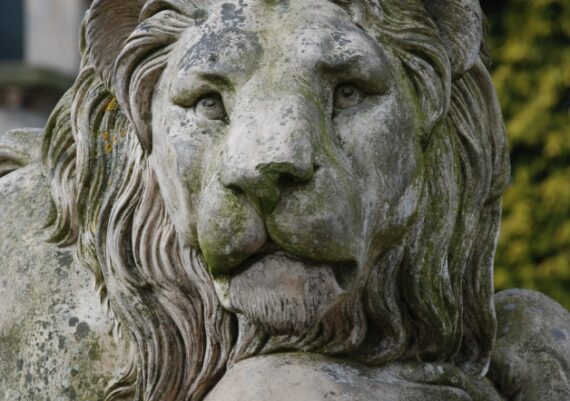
(344, 272)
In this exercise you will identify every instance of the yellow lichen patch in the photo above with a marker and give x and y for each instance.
(109, 140)
(113, 105)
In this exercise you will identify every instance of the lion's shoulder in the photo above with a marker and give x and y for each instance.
(52, 328)
(19, 148)
(532, 356)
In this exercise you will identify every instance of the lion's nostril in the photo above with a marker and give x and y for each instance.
(235, 189)
(288, 180)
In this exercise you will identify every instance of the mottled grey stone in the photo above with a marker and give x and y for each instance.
(280, 200)
(300, 377)
(532, 354)
(56, 340)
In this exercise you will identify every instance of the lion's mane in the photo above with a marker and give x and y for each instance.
(429, 297)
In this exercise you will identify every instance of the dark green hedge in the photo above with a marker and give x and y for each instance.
(529, 42)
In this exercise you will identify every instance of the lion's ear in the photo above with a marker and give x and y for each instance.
(460, 23)
(109, 24)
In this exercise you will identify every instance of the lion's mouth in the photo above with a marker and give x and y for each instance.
(344, 272)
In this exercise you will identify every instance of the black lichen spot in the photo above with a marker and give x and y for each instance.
(64, 258)
(212, 58)
(61, 342)
(209, 44)
(558, 334)
(70, 392)
(20, 365)
(340, 38)
(199, 16)
(82, 330)
(231, 13)
(73, 321)
(288, 112)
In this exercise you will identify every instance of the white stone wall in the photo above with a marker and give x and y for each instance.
(52, 33)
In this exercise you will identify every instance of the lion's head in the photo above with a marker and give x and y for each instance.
(249, 176)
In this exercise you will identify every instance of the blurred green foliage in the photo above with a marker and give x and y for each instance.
(529, 41)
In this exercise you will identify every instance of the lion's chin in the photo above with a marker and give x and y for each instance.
(281, 293)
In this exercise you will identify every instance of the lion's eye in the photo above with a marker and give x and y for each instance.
(211, 107)
(347, 96)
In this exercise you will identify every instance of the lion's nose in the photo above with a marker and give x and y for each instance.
(264, 184)
(266, 153)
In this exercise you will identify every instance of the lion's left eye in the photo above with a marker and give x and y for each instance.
(347, 96)
(211, 106)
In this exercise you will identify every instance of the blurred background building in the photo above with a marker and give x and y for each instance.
(529, 41)
(38, 57)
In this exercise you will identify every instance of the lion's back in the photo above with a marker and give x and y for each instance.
(54, 336)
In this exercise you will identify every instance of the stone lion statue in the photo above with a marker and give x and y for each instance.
(278, 200)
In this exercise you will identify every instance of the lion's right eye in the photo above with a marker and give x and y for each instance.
(347, 96)
(211, 106)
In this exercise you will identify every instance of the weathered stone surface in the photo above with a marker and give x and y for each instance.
(532, 354)
(281, 200)
(56, 340)
(300, 377)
